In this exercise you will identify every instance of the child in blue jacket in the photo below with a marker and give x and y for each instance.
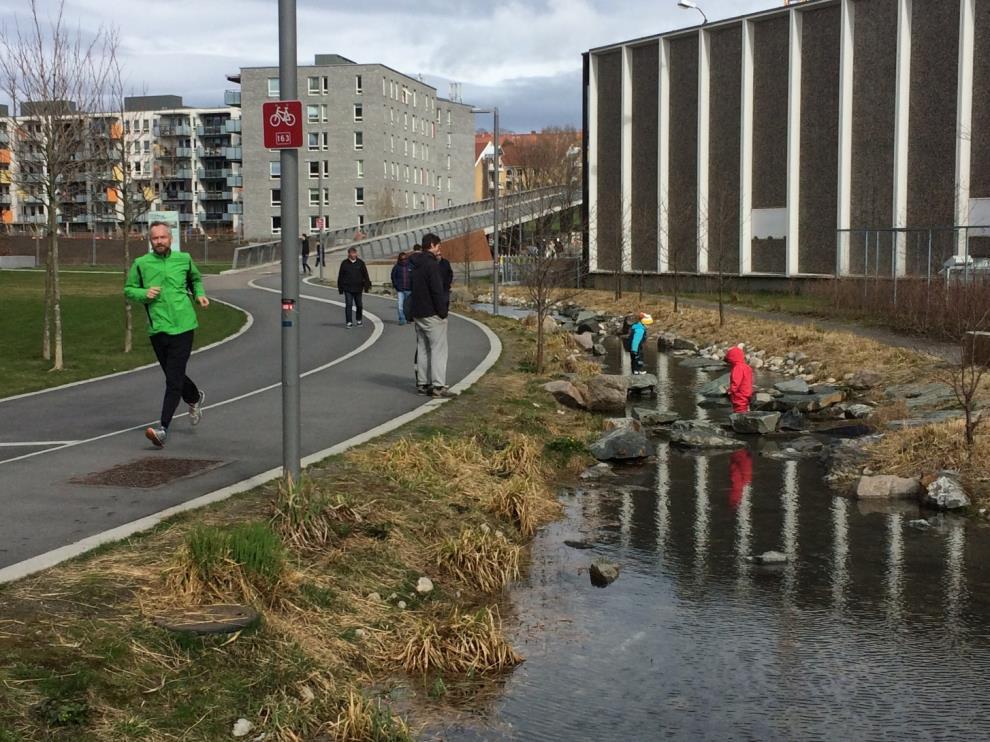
(636, 341)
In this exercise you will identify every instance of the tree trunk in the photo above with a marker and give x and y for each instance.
(721, 302)
(676, 307)
(540, 314)
(46, 327)
(58, 361)
(128, 316)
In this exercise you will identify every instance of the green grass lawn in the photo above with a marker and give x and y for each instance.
(93, 318)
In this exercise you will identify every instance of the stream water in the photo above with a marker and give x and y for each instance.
(873, 629)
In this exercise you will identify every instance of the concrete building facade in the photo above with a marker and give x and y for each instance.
(748, 146)
(377, 144)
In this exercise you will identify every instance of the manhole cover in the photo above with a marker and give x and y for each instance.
(208, 619)
(151, 471)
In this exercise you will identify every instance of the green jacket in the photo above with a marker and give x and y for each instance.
(172, 311)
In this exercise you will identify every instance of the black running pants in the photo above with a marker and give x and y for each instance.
(173, 353)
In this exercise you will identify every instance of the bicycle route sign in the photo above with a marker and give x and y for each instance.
(282, 121)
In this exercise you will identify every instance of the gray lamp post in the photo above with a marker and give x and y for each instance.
(495, 221)
(692, 5)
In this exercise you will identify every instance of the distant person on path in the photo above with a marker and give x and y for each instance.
(402, 283)
(429, 313)
(740, 380)
(321, 258)
(352, 281)
(636, 340)
(166, 283)
(304, 251)
(447, 275)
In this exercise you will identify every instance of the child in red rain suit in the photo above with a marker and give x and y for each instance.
(740, 380)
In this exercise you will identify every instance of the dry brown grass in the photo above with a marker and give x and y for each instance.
(523, 502)
(483, 559)
(366, 720)
(462, 644)
(306, 517)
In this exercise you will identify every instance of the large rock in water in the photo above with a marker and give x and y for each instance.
(716, 387)
(887, 486)
(811, 402)
(589, 325)
(621, 444)
(921, 395)
(670, 341)
(619, 423)
(567, 394)
(792, 386)
(755, 423)
(607, 393)
(692, 434)
(653, 418)
(946, 493)
(584, 315)
(603, 573)
(584, 340)
(793, 420)
(642, 384)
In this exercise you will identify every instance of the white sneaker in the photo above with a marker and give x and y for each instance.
(196, 409)
(360, 322)
(350, 324)
(157, 435)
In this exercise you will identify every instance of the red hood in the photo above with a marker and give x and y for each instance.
(735, 356)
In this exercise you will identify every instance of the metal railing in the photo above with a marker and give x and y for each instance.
(517, 269)
(262, 253)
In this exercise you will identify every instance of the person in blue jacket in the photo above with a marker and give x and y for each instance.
(637, 340)
(402, 283)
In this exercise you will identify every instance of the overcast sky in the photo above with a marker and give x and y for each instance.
(524, 56)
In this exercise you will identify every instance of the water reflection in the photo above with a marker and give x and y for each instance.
(870, 626)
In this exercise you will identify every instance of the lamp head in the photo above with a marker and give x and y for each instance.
(687, 4)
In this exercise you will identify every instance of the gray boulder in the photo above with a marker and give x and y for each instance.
(597, 472)
(598, 349)
(550, 325)
(761, 398)
(716, 387)
(621, 444)
(653, 418)
(768, 558)
(619, 423)
(755, 423)
(692, 434)
(793, 420)
(792, 386)
(603, 573)
(607, 393)
(589, 325)
(858, 411)
(584, 315)
(706, 364)
(922, 395)
(670, 341)
(887, 486)
(946, 493)
(584, 340)
(805, 447)
(865, 379)
(567, 394)
(642, 384)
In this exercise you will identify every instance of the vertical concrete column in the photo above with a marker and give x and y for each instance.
(663, 161)
(964, 126)
(704, 143)
(840, 552)
(593, 164)
(844, 211)
(895, 567)
(625, 147)
(702, 506)
(902, 111)
(746, 153)
(662, 517)
(793, 143)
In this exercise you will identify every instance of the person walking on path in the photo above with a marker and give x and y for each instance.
(352, 281)
(429, 313)
(402, 283)
(167, 283)
(304, 251)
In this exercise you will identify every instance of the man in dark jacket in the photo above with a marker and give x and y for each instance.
(304, 251)
(352, 281)
(401, 282)
(429, 313)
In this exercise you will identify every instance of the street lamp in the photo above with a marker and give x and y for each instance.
(691, 4)
(495, 253)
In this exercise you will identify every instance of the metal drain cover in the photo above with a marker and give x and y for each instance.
(151, 471)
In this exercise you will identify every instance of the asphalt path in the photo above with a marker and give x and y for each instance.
(354, 381)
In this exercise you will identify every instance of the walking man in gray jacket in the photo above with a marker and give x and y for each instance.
(429, 314)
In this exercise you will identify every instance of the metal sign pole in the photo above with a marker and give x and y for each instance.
(291, 427)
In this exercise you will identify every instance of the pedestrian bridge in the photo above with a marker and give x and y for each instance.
(389, 237)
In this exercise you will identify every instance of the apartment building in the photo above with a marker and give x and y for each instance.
(377, 144)
(184, 159)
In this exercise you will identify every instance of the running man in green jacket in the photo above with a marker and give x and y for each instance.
(165, 282)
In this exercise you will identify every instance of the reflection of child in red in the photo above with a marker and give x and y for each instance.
(740, 380)
(740, 475)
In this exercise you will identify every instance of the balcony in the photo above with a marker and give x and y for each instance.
(232, 98)
(234, 154)
(235, 181)
(210, 130)
(232, 126)
(5, 137)
(183, 153)
(183, 217)
(173, 130)
(216, 196)
(5, 198)
(182, 174)
(210, 151)
(179, 196)
(235, 208)
(80, 219)
(213, 174)
(34, 219)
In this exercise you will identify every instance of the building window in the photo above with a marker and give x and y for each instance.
(359, 168)
(313, 86)
(314, 227)
(414, 150)
(314, 169)
(314, 196)
(358, 85)
(312, 114)
(448, 117)
(275, 169)
(407, 173)
(323, 113)
(276, 196)
(358, 140)
(273, 92)
(385, 169)
(359, 196)
(314, 141)
(277, 224)
(448, 184)
(358, 112)
(383, 87)
(360, 220)
(391, 142)
(147, 146)
(448, 141)
(448, 162)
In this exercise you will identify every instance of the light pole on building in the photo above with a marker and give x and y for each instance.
(692, 5)
(495, 221)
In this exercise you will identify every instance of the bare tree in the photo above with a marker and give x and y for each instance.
(966, 376)
(54, 78)
(718, 220)
(673, 252)
(383, 205)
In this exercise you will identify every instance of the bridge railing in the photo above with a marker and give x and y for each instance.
(261, 253)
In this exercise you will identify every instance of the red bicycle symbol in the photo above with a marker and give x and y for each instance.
(282, 115)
